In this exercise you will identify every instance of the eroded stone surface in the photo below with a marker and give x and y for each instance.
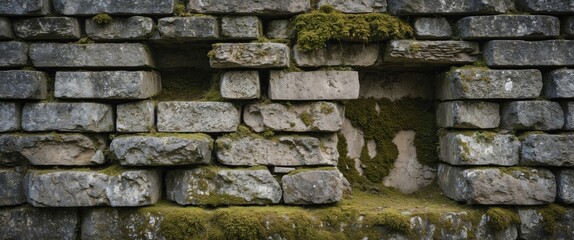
(516, 53)
(14, 54)
(315, 85)
(107, 84)
(338, 55)
(468, 114)
(48, 28)
(432, 28)
(68, 117)
(241, 27)
(533, 224)
(197, 117)
(249, 55)
(10, 116)
(135, 117)
(315, 116)
(479, 148)
(559, 84)
(279, 29)
(508, 27)
(357, 6)
(263, 7)
(12, 191)
(196, 27)
(532, 115)
(132, 28)
(449, 7)
(313, 187)
(548, 150)
(120, 223)
(23, 84)
(240, 85)
(435, 52)
(25, 222)
(94, 7)
(25, 7)
(546, 6)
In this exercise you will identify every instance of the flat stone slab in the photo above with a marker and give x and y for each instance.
(97, 55)
(94, 7)
(249, 55)
(25, 7)
(356, 6)
(26, 222)
(565, 186)
(121, 223)
(68, 117)
(107, 84)
(351, 54)
(12, 191)
(241, 27)
(497, 186)
(313, 187)
(14, 54)
(195, 27)
(479, 148)
(70, 188)
(23, 84)
(213, 186)
(508, 27)
(559, 84)
(435, 52)
(484, 83)
(197, 117)
(10, 116)
(468, 114)
(448, 7)
(263, 7)
(6, 32)
(304, 117)
(52, 149)
(315, 85)
(432, 28)
(135, 117)
(516, 53)
(546, 6)
(240, 85)
(48, 28)
(144, 150)
(279, 151)
(132, 28)
(532, 115)
(548, 150)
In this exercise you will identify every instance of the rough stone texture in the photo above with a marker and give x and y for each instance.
(10, 116)
(468, 114)
(395, 85)
(559, 84)
(262, 7)
(479, 148)
(5, 29)
(448, 7)
(284, 151)
(548, 150)
(69, 188)
(435, 52)
(313, 187)
(23, 84)
(249, 55)
(568, 108)
(508, 27)
(48, 28)
(181, 149)
(359, 55)
(25, 7)
(135, 117)
(197, 117)
(280, 29)
(12, 191)
(212, 186)
(132, 28)
(240, 85)
(283, 170)
(241, 27)
(497, 186)
(355, 142)
(25, 222)
(356, 6)
(52, 149)
(432, 28)
(483, 83)
(64, 55)
(516, 53)
(546, 6)
(107, 84)
(315, 85)
(304, 117)
(532, 115)
(122, 223)
(196, 27)
(93, 7)
(567, 26)
(14, 54)
(533, 224)
(68, 117)
(565, 186)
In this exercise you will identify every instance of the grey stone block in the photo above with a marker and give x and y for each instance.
(26, 222)
(546, 6)
(449, 7)
(565, 186)
(121, 223)
(68, 117)
(249, 55)
(279, 29)
(479, 148)
(568, 108)
(435, 52)
(48, 28)
(12, 191)
(132, 28)
(508, 27)
(93, 7)
(356, 6)
(432, 28)
(497, 186)
(197, 117)
(283, 151)
(468, 114)
(240, 85)
(359, 55)
(196, 27)
(10, 116)
(534, 223)
(5, 29)
(213, 186)
(107, 84)
(262, 7)
(52, 149)
(559, 84)
(72, 188)
(99, 55)
(14, 54)
(548, 150)
(241, 27)
(568, 26)
(181, 149)
(484, 83)
(23, 84)
(315, 85)
(135, 117)
(283, 170)
(25, 7)
(303, 117)
(516, 53)
(313, 187)
(532, 115)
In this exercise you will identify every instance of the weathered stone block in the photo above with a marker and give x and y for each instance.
(568, 26)
(70, 188)
(12, 191)
(135, 117)
(315, 85)
(304, 117)
(181, 149)
(240, 85)
(213, 186)
(516, 53)
(449, 7)
(197, 117)
(10, 116)
(548, 150)
(532, 115)
(546, 6)
(436, 52)
(263, 7)
(196, 27)
(338, 55)
(313, 187)
(93, 7)
(249, 55)
(5, 29)
(468, 114)
(565, 186)
(23, 84)
(483, 83)
(534, 223)
(241, 27)
(508, 27)
(25, 7)
(432, 28)
(26, 222)
(99, 55)
(68, 117)
(14, 54)
(48, 28)
(357, 6)
(479, 148)
(497, 186)
(132, 28)
(283, 151)
(559, 84)
(568, 108)
(52, 149)
(121, 223)
(279, 29)
(107, 84)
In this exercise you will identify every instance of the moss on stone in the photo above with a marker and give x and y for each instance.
(306, 118)
(502, 218)
(102, 19)
(551, 214)
(190, 84)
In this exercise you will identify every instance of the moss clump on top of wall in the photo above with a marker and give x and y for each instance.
(314, 29)
(501, 218)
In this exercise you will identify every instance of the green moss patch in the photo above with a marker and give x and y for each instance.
(501, 218)
(102, 19)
